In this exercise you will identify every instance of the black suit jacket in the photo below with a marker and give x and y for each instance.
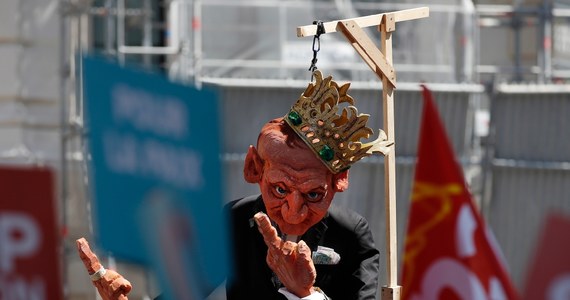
(354, 277)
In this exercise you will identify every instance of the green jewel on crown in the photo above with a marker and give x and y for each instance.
(334, 137)
(294, 118)
(326, 153)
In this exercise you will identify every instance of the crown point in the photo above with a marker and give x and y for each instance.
(294, 118)
(326, 153)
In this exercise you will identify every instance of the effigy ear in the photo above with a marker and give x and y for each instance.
(340, 181)
(253, 166)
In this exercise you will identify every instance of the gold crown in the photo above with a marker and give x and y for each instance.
(334, 138)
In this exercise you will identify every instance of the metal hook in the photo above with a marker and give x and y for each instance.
(316, 45)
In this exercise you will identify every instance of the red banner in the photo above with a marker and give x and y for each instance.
(29, 260)
(549, 274)
(449, 253)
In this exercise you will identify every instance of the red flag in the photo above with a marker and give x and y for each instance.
(448, 253)
(548, 275)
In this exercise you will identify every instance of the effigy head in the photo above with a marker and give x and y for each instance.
(302, 159)
(296, 187)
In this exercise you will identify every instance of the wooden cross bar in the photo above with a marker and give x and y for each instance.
(380, 61)
(367, 21)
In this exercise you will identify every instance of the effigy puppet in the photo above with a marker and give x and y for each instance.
(291, 241)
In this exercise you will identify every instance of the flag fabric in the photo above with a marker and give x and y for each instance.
(548, 275)
(449, 252)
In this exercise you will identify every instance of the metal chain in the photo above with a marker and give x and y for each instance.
(316, 44)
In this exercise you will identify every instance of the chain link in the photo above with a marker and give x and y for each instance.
(316, 44)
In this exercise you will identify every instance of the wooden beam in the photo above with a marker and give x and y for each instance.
(367, 21)
(390, 22)
(389, 170)
(391, 293)
(369, 52)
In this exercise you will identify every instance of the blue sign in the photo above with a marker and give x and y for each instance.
(155, 169)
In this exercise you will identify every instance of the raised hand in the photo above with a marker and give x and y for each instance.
(110, 284)
(291, 262)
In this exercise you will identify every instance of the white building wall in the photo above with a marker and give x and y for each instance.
(29, 47)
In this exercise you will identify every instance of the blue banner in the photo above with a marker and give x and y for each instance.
(155, 171)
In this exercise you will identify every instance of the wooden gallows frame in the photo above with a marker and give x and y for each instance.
(380, 61)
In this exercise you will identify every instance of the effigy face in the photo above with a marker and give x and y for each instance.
(297, 187)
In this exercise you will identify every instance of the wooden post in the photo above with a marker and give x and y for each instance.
(391, 290)
(380, 62)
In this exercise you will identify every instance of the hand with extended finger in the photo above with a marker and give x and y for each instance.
(291, 262)
(110, 284)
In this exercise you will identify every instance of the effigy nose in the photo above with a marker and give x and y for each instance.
(294, 210)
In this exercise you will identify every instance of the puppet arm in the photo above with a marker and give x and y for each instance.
(291, 262)
(110, 284)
